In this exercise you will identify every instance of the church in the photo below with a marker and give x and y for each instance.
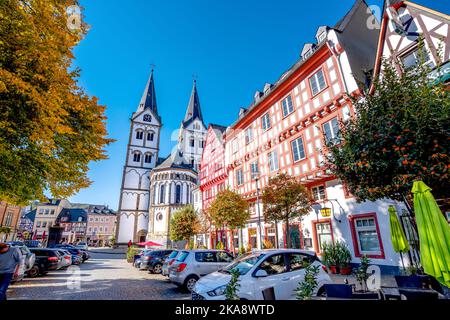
(154, 187)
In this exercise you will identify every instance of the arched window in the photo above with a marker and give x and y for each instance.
(162, 194)
(137, 157)
(139, 134)
(178, 194)
(154, 194)
(191, 141)
(148, 158)
(150, 136)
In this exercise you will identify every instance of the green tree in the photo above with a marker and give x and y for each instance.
(50, 129)
(184, 224)
(400, 134)
(229, 210)
(285, 198)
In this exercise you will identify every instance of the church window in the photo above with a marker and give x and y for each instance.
(148, 158)
(178, 194)
(137, 157)
(162, 194)
(139, 134)
(202, 144)
(150, 136)
(147, 118)
(159, 217)
(192, 142)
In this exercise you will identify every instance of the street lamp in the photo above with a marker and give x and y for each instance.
(255, 176)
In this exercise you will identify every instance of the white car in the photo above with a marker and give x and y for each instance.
(277, 270)
(191, 265)
(82, 246)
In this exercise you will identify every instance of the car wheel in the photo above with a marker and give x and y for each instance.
(33, 272)
(190, 282)
(157, 268)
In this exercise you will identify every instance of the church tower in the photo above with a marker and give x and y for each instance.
(192, 133)
(141, 158)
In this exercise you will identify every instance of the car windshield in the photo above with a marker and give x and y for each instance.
(183, 256)
(244, 264)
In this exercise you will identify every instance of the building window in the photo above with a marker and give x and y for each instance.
(147, 118)
(202, 144)
(148, 158)
(38, 224)
(317, 82)
(318, 193)
(248, 135)
(273, 161)
(90, 229)
(235, 145)
(287, 105)
(323, 234)
(239, 177)
(150, 136)
(178, 194)
(106, 229)
(47, 211)
(139, 135)
(322, 37)
(265, 121)
(137, 157)
(417, 56)
(162, 194)
(159, 217)
(9, 218)
(44, 224)
(298, 149)
(192, 142)
(366, 236)
(52, 211)
(254, 168)
(331, 131)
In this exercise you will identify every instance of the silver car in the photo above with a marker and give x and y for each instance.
(191, 265)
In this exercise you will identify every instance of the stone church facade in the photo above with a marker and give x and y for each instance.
(153, 187)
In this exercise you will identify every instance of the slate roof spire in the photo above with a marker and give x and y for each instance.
(148, 100)
(193, 110)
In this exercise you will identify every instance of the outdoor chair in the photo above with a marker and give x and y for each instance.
(341, 291)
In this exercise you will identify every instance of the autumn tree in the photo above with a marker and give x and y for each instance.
(401, 133)
(229, 210)
(50, 129)
(184, 224)
(285, 198)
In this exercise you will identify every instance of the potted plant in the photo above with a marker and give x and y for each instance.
(308, 286)
(330, 258)
(344, 258)
(361, 272)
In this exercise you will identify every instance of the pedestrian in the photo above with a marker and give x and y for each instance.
(9, 260)
(130, 244)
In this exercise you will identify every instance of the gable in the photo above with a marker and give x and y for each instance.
(146, 116)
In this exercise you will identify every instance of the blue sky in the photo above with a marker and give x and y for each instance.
(233, 47)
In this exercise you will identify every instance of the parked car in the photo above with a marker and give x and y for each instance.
(169, 261)
(73, 250)
(154, 260)
(194, 264)
(76, 259)
(46, 260)
(33, 243)
(15, 243)
(277, 270)
(82, 245)
(66, 260)
(28, 256)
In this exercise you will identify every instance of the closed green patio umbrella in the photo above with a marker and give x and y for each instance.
(398, 238)
(434, 234)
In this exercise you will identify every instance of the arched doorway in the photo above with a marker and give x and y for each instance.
(141, 236)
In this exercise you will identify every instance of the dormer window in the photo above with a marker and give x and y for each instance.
(321, 37)
(307, 54)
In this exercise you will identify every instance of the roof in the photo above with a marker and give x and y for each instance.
(174, 161)
(340, 26)
(193, 110)
(73, 214)
(148, 100)
(218, 130)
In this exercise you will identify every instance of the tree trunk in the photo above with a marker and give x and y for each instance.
(288, 236)
(277, 243)
(232, 240)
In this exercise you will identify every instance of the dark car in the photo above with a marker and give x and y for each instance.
(73, 250)
(33, 243)
(45, 260)
(154, 260)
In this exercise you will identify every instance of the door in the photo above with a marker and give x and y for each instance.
(296, 265)
(277, 278)
(205, 262)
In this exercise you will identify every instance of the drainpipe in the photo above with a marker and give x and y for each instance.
(338, 58)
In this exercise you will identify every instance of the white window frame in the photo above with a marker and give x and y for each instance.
(273, 161)
(248, 135)
(239, 177)
(287, 108)
(316, 193)
(315, 78)
(265, 122)
(297, 147)
(367, 228)
(335, 136)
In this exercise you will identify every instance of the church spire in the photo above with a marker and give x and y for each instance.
(193, 110)
(148, 100)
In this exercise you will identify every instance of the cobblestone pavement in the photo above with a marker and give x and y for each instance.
(105, 276)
